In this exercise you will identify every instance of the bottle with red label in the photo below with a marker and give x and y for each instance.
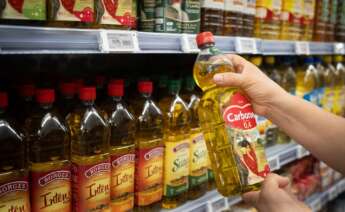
(228, 122)
(267, 19)
(122, 126)
(49, 156)
(14, 185)
(91, 169)
(68, 101)
(149, 151)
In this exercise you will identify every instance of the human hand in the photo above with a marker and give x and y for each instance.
(275, 196)
(261, 90)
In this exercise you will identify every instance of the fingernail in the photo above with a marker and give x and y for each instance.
(218, 78)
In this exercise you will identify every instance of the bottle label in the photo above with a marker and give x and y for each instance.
(78, 10)
(268, 9)
(168, 16)
(198, 160)
(292, 11)
(51, 191)
(149, 175)
(234, 5)
(324, 10)
(14, 195)
(250, 7)
(309, 9)
(191, 16)
(25, 10)
(147, 15)
(213, 4)
(176, 167)
(91, 186)
(249, 149)
(122, 182)
(120, 13)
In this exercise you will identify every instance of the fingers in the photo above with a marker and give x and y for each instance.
(251, 198)
(273, 181)
(228, 79)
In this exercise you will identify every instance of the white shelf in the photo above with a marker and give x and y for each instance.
(212, 201)
(45, 40)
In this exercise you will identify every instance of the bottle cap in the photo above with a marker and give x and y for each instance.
(338, 58)
(3, 100)
(256, 60)
(45, 96)
(68, 88)
(87, 93)
(204, 38)
(115, 89)
(145, 87)
(27, 90)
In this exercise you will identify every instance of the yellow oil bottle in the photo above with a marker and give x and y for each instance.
(229, 126)
(320, 73)
(291, 19)
(122, 126)
(176, 143)
(329, 80)
(339, 85)
(49, 156)
(267, 19)
(89, 155)
(14, 192)
(308, 19)
(149, 151)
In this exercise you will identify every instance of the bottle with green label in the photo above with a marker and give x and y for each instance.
(147, 15)
(191, 16)
(168, 16)
(177, 141)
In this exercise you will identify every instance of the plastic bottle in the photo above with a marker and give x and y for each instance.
(149, 151)
(340, 26)
(49, 156)
(13, 164)
(162, 90)
(89, 154)
(191, 17)
(248, 18)
(340, 85)
(147, 15)
(212, 16)
(228, 122)
(329, 79)
(291, 19)
(198, 167)
(320, 73)
(308, 19)
(333, 4)
(122, 150)
(26, 101)
(267, 19)
(321, 19)
(169, 16)
(233, 17)
(68, 101)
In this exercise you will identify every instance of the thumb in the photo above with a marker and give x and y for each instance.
(228, 79)
(251, 198)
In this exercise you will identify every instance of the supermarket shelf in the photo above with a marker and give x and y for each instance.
(212, 201)
(45, 40)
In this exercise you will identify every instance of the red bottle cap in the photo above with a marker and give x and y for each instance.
(117, 81)
(27, 90)
(204, 38)
(45, 96)
(115, 89)
(3, 100)
(68, 88)
(145, 86)
(87, 93)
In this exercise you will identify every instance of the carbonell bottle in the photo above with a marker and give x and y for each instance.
(229, 126)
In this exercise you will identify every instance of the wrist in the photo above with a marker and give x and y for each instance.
(279, 105)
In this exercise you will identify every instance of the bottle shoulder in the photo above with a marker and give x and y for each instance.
(44, 123)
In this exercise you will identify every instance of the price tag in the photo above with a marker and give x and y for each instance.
(339, 48)
(245, 45)
(302, 48)
(302, 152)
(188, 44)
(219, 205)
(118, 41)
(274, 163)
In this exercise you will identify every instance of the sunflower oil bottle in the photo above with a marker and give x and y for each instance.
(226, 116)
(149, 151)
(329, 80)
(291, 19)
(320, 73)
(89, 155)
(122, 126)
(340, 70)
(267, 19)
(198, 167)
(308, 19)
(49, 156)
(14, 179)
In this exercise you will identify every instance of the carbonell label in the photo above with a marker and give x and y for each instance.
(102, 167)
(13, 186)
(123, 160)
(154, 153)
(56, 175)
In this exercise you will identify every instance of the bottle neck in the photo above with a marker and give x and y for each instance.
(146, 95)
(2, 112)
(116, 98)
(88, 103)
(206, 46)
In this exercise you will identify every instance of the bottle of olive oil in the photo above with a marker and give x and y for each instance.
(122, 155)
(49, 156)
(68, 100)
(177, 142)
(89, 155)
(14, 185)
(149, 151)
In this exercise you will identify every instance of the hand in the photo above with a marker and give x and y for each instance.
(275, 196)
(261, 90)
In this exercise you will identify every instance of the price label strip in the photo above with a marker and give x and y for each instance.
(219, 205)
(118, 41)
(302, 48)
(245, 45)
(339, 48)
(188, 44)
(302, 152)
(274, 163)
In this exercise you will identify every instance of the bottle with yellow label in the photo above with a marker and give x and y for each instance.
(291, 19)
(329, 79)
(198, 167)
(267, 19)
(122, 126)
(176, 142)
(340, 70)
(14, 179)
(49, 156)
(228, 122)
(90, 155)
(149, 151)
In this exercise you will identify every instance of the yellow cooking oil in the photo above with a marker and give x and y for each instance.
(306, 81)
(228, 122)
(329, 81)
(339, 85)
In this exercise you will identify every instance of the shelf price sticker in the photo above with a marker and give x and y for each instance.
(245, 45)
(219, 205)
(339, 48)
(274, 163)
(188, 44)
(302, 48)
(118, 41)
(302, 152)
